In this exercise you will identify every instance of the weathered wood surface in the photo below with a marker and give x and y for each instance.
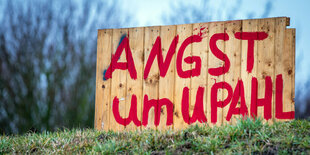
(186, 78)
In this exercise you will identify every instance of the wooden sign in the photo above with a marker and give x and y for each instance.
(165, 77)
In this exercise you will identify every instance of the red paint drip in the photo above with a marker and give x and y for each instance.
(202, 32)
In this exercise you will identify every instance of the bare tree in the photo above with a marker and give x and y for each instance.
(48, 62)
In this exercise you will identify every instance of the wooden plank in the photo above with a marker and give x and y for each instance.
(184, 31)
(135, 87)
(293, 46)
(248, 26)
(200, 49)
(289, 41)
(166, 84)
(103, 87)
(282, 60)
(233, 51)
(265, 64)
(151, 83)
(214, 62)
(119, 77)
(285, 64)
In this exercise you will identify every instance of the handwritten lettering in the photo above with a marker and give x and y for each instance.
(235, 98)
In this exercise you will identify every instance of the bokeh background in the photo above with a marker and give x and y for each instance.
(48, 51)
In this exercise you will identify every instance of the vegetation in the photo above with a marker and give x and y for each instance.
(48, 62)
(247, 136)
(48, 57)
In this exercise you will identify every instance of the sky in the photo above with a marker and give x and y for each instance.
(299, 15)
(151, 12)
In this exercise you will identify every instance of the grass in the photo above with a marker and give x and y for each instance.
(247, 136)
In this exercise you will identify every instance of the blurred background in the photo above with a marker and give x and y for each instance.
(48, 51)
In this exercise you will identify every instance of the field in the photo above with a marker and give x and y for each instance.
(247, 136)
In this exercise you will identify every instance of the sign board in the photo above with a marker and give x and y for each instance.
(163, 77)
